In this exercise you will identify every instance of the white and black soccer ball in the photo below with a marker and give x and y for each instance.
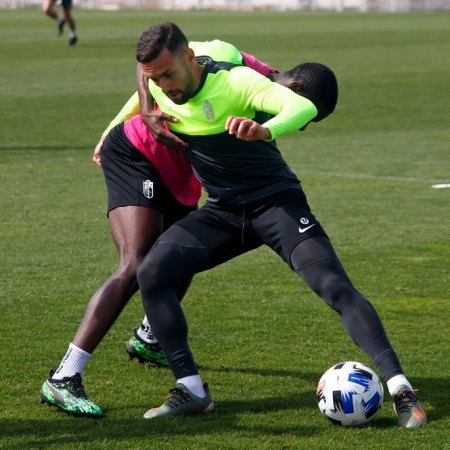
(350, 394)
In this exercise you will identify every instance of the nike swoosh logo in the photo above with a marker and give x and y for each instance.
(302, 230)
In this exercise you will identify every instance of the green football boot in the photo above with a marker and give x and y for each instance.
(69, 395)
(145, 352)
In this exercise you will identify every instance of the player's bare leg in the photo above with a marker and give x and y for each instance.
(68, 18)
(49, 9)
(134, 230)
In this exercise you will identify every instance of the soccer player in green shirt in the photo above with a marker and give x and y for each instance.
(253, 197)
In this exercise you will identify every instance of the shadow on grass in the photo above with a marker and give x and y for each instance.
(58, 428)
(62, 429)
(312, 377)
(429, 389)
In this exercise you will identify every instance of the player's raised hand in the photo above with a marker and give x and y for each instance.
(155, 122)
(247, 129)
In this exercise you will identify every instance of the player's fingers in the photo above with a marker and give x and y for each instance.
(97, 150)
(168, 118)
(172, 141)
(232, 124)
(97, 160)
(244, 130)
(164, 136)
(178, 144)
(228, 123)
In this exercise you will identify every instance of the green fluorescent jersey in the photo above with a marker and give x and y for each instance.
(237, 173)
(230, 90)
(217, 50)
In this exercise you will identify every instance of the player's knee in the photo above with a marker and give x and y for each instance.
(336, 292)
(159, 268)
(128, 265)
(126, 273)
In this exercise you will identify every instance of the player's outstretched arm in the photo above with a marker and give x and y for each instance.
(146, 101)
(290, 111)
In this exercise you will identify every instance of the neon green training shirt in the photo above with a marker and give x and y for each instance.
(236, 172)
(216, 49)
(236, 91)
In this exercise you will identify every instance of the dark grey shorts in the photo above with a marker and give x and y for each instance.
(280, 223)
(132, 180)
(66, 4)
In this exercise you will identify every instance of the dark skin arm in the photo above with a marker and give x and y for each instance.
(154, 119)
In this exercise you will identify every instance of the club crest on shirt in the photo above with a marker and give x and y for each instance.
(209, 111)
(148, 188)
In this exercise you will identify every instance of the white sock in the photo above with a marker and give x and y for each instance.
(194, 384)
(73, 362)
(397, 381)
(145, 332)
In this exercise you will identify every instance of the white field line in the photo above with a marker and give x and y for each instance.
(377, 177)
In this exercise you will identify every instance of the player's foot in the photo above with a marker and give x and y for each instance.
(408, 408)
(69, 395)
(72, 41)
(181, 401)
(145, 352)
(61, 23)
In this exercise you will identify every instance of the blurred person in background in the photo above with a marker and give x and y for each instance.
(49, 9)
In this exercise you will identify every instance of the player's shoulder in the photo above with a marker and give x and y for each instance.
(217, 50)
(244, 73)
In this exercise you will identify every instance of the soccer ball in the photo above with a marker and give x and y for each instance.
(350, 394)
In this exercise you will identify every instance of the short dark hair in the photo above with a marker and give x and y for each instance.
(157, 37)
(318, 83)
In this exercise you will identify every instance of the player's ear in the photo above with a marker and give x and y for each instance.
(190, 55)
(295, 86)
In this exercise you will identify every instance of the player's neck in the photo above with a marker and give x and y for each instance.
(197, 74)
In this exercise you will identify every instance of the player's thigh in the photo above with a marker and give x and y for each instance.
(198, 242)
(48, 5)
(220, 232)
(286, 222)
(174, 210)
(135, 229)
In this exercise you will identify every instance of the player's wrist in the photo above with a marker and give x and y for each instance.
(267, 134)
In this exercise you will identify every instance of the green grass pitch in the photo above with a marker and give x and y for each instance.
(262, 337)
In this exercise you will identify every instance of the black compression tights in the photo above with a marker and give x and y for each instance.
(316, 262)
(163, 268)
(313, 259)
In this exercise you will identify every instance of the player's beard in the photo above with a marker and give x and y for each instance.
(187, 90)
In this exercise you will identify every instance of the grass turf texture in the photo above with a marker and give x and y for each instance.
(262, 337)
